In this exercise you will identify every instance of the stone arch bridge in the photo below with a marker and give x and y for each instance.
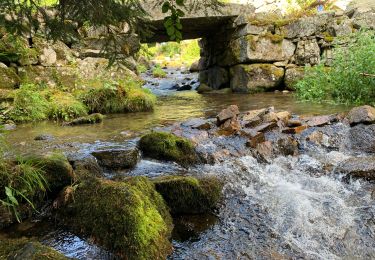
(251, 52)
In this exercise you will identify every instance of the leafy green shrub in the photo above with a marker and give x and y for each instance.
(118, 97)
(65, 106)
(29, 104)
(158, 72)
(141, 68)
(190, 51)
(350, 79)
(170, 49)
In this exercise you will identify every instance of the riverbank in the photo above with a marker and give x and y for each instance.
(291, 183)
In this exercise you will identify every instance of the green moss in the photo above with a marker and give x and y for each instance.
(129, 217)
(165, 146)
(141, 68)
(189, 195)
(8, 78)
(57, 170)
(252, 40)
(118, 97)
(158, 72)
(64, 106)
(275, 38)
(29, 105)
(90, 119)
(26, 249)
(328, 37)
(269, 69)
(203, 88)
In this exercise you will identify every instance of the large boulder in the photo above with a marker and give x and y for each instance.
(129, 218)
(189, 195)
(252, 48)
(307, 52)
(58, 172)
(255, 77)
(215, 78)
(361, 167)
(361, 115)
(169, 147)
(8, 78)
(53, 76)
(47, 56)
(292, 76)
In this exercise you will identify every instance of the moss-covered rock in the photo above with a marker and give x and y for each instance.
(255, 77)
(117, 97)
(57, 170)
(165, 146)
(189, 195)
(129, 217)
(26, 249)
(29, 105)
(203, 88)
(90, 119)
(8, 78)
(64, 106)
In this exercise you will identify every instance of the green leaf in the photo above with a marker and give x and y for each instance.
(180, 13)
(180, 2)
(170, 31)
(165, 8)
(179, 26)
(10, 196)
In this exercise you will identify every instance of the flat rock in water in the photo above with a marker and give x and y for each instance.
(361, 115)
(362, 167)
(126, 158)
(198, 123)
(265, 127)
(44, 137)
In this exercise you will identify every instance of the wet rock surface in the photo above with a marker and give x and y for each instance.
(118, 158)
(364, 115)
(362, 167)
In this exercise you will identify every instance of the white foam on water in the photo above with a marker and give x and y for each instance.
(319, 214)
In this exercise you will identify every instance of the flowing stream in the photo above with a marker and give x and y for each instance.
(290, 208)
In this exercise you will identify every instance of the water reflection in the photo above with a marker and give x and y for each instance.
(172, 108)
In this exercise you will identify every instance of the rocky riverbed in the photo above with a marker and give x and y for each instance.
(293, 187)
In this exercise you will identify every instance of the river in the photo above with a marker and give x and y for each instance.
(286, 209)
